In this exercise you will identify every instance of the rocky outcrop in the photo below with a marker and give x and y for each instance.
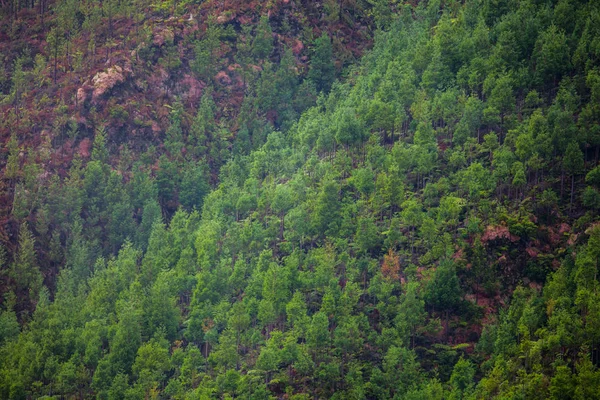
(106, 80)
(102, 83)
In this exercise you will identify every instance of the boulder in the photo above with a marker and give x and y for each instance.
(106, 80)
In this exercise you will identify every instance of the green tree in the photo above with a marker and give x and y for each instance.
(348, 128)
(262, 45)
(119, 387)
(573, 163)
(296, 311)
(99, 150)
(520, 178)
(437, 75)
(552, 55)
(205, 51)
(562, 384)
(126, 341)
(161, 311)
(326, 210)
(9, 326)
(462, 379)
(151, 214)
(318, 336)
(588, 379)
(443, 292)
(348, 340)
(24, 272)
(367, 235)
(283, 200)
(501, 101)
(204, 126)
(401, 371)
(322, 69)
(194, 187)
(18, 80)
(54, 41)
(151, 364)
(411, 313)
(12, 164)
(174, 134)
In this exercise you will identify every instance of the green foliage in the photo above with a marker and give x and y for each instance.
(12, 163)
(443, 292)
(24, 271)
(193, 188)
(205, 50)
(573, 160)
(262, 45)
(352, 244)
(9, 326)
(322, 71)
(462, 379)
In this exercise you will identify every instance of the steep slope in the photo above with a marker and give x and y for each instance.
(426, 230)
(180, 82)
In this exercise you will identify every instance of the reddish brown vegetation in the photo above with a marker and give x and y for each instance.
(498, 232)
(124, 84)
(390, 268)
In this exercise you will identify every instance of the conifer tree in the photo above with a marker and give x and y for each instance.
(573, 163)
(322, 69)
(24, 271)
(262, 45)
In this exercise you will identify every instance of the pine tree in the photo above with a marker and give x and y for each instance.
(573, 163)
(411, 314)
(99, 150)
(12, 164)
(19, 78)
(24, 271)
(322, 69)
(262, 45)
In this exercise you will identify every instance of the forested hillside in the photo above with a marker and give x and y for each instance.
(291, 200)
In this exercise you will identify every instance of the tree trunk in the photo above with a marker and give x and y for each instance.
(572, 192)
(55, 61)
(562, 182)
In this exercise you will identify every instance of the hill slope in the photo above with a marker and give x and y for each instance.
(188, 84)
(426, 229)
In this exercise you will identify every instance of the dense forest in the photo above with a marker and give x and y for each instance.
(347, 199)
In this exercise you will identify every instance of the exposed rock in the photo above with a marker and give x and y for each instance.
(84, 92)
(81, 95)
(158, 81)
(105, 81)
(191, 88)
(498, 232)
(224, 18)
(127, 69)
